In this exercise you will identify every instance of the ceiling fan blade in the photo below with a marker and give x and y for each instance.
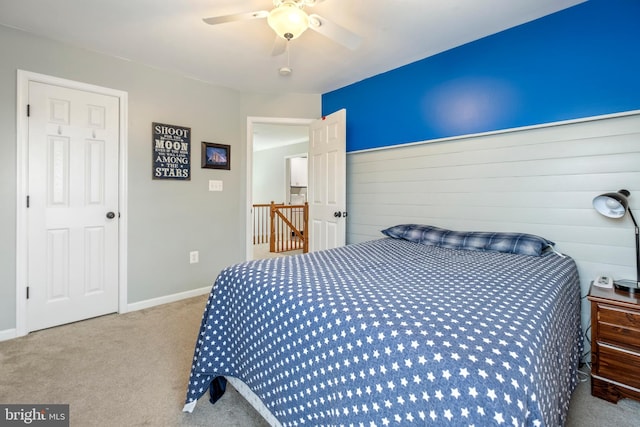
(279, 46)
(236, 17)
(335, 32)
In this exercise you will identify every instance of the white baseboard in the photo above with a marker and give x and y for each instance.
(8, 334)
(167, 299)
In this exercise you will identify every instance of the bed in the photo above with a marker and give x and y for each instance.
(423, 326)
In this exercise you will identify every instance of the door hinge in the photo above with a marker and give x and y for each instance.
(27, 292)
(28, 110)
(28, 200)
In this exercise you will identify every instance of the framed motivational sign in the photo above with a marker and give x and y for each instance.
(171, 152)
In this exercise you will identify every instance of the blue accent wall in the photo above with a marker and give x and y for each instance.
(580, 62)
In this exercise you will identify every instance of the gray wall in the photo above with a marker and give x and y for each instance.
(167, 219)
(269, 167)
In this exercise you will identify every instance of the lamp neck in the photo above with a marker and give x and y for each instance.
(635, 224)
(633, 219)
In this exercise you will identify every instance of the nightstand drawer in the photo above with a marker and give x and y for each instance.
(617, 325)
(619, 365)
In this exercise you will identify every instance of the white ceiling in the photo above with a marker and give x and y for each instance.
(269, 135)
(170, 35)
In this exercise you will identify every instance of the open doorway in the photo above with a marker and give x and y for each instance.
(272, 143)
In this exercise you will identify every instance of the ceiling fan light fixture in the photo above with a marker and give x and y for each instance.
(285, 71)
(288, 20)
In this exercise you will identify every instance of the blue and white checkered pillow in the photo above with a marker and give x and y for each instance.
(514, 243)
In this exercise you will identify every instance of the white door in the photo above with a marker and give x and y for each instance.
(327, 181)
(72, 213)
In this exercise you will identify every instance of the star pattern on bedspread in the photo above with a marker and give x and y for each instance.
(393, 333)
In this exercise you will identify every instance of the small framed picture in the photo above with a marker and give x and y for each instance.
(216, 156)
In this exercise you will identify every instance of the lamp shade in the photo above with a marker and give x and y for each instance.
(612, 205)
(288, 20)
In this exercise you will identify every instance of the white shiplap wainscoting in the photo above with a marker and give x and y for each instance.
(538, 180)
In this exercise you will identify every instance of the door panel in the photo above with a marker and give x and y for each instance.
(57, 265)
(72, 184)
(327, 186)
(94, 260)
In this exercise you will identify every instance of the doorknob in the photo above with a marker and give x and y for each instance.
(111, 215)
(337, 214)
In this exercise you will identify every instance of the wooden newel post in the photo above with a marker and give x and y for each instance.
(305, 244)
(272, 228)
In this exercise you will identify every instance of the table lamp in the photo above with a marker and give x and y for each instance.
(615, 205)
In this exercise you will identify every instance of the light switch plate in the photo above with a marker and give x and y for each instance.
(215, 185)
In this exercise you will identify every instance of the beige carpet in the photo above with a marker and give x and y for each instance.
(132, 370)
(262, 251)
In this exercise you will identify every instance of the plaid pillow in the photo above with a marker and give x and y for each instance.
(514, 243)
(417, 233)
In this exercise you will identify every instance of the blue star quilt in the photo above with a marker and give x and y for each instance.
(392, 333)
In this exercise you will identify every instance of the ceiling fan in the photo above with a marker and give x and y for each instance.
(289, 20)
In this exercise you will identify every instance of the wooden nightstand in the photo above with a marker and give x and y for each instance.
(615, 344)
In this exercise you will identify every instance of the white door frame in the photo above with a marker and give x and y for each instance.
(249, 186)
(22, 158)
